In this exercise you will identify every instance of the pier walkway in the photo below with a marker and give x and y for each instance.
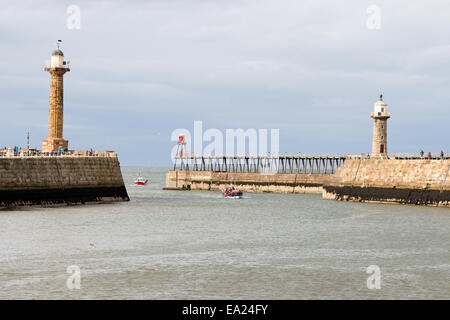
(68, 154)
(285, 164)
(307, 164)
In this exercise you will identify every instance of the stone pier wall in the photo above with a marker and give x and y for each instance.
(257, 182)
(424, 182)
(51, 180)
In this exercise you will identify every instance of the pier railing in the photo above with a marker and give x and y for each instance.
(306, 164)
(39, 154)
(417, 156)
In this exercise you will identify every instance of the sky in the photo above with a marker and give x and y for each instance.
(312, 69)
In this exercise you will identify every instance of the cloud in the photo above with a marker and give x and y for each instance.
(310, 68)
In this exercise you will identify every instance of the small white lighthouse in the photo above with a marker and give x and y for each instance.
(379, 140)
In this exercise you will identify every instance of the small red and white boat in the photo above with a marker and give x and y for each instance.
(140, 181)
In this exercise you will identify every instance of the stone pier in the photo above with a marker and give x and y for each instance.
(407, 181)
(249, 182)
(60, 180)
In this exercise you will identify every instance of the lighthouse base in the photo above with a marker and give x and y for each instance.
(54, 145)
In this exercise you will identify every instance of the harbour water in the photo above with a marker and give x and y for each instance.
(197, 245)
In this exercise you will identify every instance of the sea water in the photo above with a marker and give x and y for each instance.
(198, 245)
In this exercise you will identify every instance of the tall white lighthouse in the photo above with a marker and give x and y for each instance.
(57, 67)
(379, 140)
